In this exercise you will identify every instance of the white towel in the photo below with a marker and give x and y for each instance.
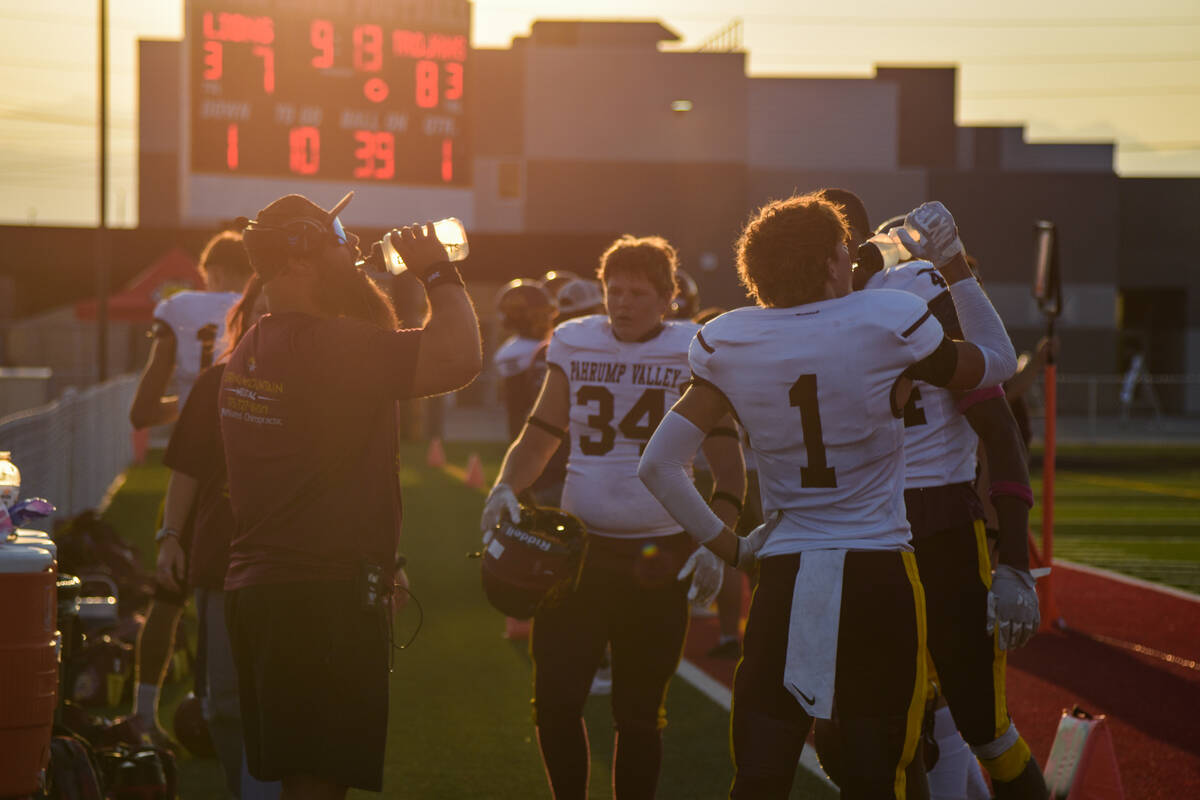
(811, 668)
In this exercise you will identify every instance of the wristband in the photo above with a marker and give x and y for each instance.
(1011, 489)
(728, 498)
(439, 273)
(976, 396)
(164, 533)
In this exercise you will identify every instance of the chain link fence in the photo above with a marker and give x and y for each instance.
(71, 450)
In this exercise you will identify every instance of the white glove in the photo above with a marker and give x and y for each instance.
(751, 543)
(1012, 607)
(499, 500)
(707, 573)
(929, 233)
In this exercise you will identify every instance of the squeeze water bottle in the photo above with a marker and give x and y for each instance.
(10, 480)
(882, 251)
(450, 233)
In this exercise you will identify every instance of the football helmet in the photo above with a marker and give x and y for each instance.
(554, 280)
(532, 561)
(579, 298)
(687, 300)
(525, 307)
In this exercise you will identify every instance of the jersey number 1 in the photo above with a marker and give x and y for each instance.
(818, 474)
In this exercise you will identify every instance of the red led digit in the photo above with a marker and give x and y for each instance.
(212, 61)
(304, 150)
(365, 153)
(454, 81)
(385, 153)
(268, 57)
(447, 160)
(427, 84)
(320, 35)
(231, 146)
(368, 48)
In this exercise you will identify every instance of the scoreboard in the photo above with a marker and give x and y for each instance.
(354, 92)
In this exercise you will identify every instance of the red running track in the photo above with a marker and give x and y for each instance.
(1152, 704)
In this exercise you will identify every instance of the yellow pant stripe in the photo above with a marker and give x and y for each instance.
(999, 657)
(916, 704)
(1011, 764)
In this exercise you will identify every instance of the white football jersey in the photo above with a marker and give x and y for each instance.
(619, 393)
(515, 355)
(939, 443)
(812, 387)
(198, 321)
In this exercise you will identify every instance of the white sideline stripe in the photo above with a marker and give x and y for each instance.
(714, 690)
(1119, 578)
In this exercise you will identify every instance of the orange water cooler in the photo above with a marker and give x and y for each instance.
(28, 665)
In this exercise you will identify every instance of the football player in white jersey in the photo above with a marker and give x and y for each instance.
(818, 377)
(527, 310)
(187, 328)
(610, 380)
(974, 618)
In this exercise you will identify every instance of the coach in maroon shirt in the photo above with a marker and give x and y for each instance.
(307, 408)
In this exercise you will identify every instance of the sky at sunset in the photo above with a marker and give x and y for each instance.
(1070, 71)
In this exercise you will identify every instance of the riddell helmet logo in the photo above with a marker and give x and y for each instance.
(530, 539)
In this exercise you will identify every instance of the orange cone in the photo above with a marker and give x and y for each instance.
(474, 477)
(1082, 763)
(435, 456)
(516, 629)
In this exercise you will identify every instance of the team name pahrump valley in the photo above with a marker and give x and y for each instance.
(614, 372)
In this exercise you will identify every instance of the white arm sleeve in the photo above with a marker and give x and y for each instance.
(982, 327)
(663, 470)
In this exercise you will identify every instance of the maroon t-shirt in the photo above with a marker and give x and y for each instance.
(195, 450)
(307, 409)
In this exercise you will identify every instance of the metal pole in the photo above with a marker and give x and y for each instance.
(101, 253)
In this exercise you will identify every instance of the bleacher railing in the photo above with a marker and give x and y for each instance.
(71, 450)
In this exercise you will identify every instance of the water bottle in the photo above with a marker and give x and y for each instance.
(10, 480)
(450, 233)
(882, 251)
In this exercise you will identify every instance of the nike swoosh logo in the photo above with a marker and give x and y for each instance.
(812, 701)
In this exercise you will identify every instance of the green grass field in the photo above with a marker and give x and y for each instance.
(1134, 510)
(460, 714)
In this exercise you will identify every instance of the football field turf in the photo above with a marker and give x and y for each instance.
(460, 714)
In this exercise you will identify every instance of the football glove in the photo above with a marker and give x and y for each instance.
(1012, 607)
(707, 573)
(499, 500)
(929, 233)
(751, 543)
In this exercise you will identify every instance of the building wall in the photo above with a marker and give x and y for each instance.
(1159, 247)
(816, 124)
(597, 105)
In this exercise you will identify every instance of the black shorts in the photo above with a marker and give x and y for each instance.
(312, 669)
(879, 691)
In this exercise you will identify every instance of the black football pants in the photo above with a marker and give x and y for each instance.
(628, 597)
(879, 690)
